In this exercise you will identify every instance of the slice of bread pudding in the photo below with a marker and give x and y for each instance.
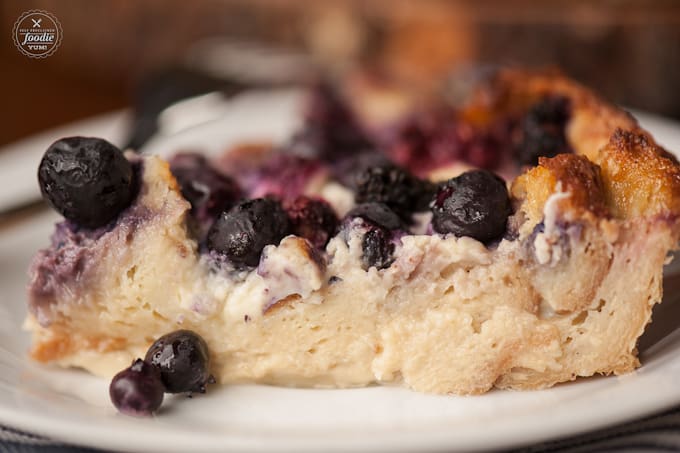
(369, 252)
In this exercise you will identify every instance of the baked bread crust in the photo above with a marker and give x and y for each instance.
(639, 177)
(552, 303)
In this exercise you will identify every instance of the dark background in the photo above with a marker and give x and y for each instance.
(627, 49)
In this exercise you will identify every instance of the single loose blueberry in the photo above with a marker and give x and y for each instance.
(241, 233)
(183, 360)
(474, 204)
(88, 180)
(137, 390)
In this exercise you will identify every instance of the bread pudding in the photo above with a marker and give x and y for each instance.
(515, 239)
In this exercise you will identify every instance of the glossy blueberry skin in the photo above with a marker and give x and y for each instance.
(137, 390)
(183, 361)
(474, 204)
(241, 233)
(87, 180)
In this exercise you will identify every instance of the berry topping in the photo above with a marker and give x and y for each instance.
(347, 170)
(331, 131)
(380, 223)
(137, 390)
(474, 204)
(313, 220)
(209, 191)
(284, 175)
(241, 233)
(88, 180)
(183, 360)
(377, 247)
(395, 187)
(433, 138)
(543, 130)
(377, 213)
(428, 139)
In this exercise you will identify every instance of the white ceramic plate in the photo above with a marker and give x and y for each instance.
(74, 407)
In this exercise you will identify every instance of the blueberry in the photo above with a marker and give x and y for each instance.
(183, 360)
(241, 233)
(377, 213)
(543, 130)
(377, 248)
(347, 170)
(380, 223)
(209, 191)
(313, 219)
(88, 180)
(137, 390)
(474, 204)
(393, 186)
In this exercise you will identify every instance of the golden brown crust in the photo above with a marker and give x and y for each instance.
(640, 178)
(637, 177)
(581, 178)
(566, 173)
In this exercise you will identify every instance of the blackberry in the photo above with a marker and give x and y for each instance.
(241, 233)
(88, 180)
(313, 219)
(183, 360)
(393, 186)
(347, 170)
(474, 204)
(543, 130)
(137, 390)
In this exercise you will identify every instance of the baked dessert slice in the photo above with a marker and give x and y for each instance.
(370, 251)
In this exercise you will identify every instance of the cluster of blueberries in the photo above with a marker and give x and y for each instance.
(474, 204)
(178, 362)
(90, 182)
